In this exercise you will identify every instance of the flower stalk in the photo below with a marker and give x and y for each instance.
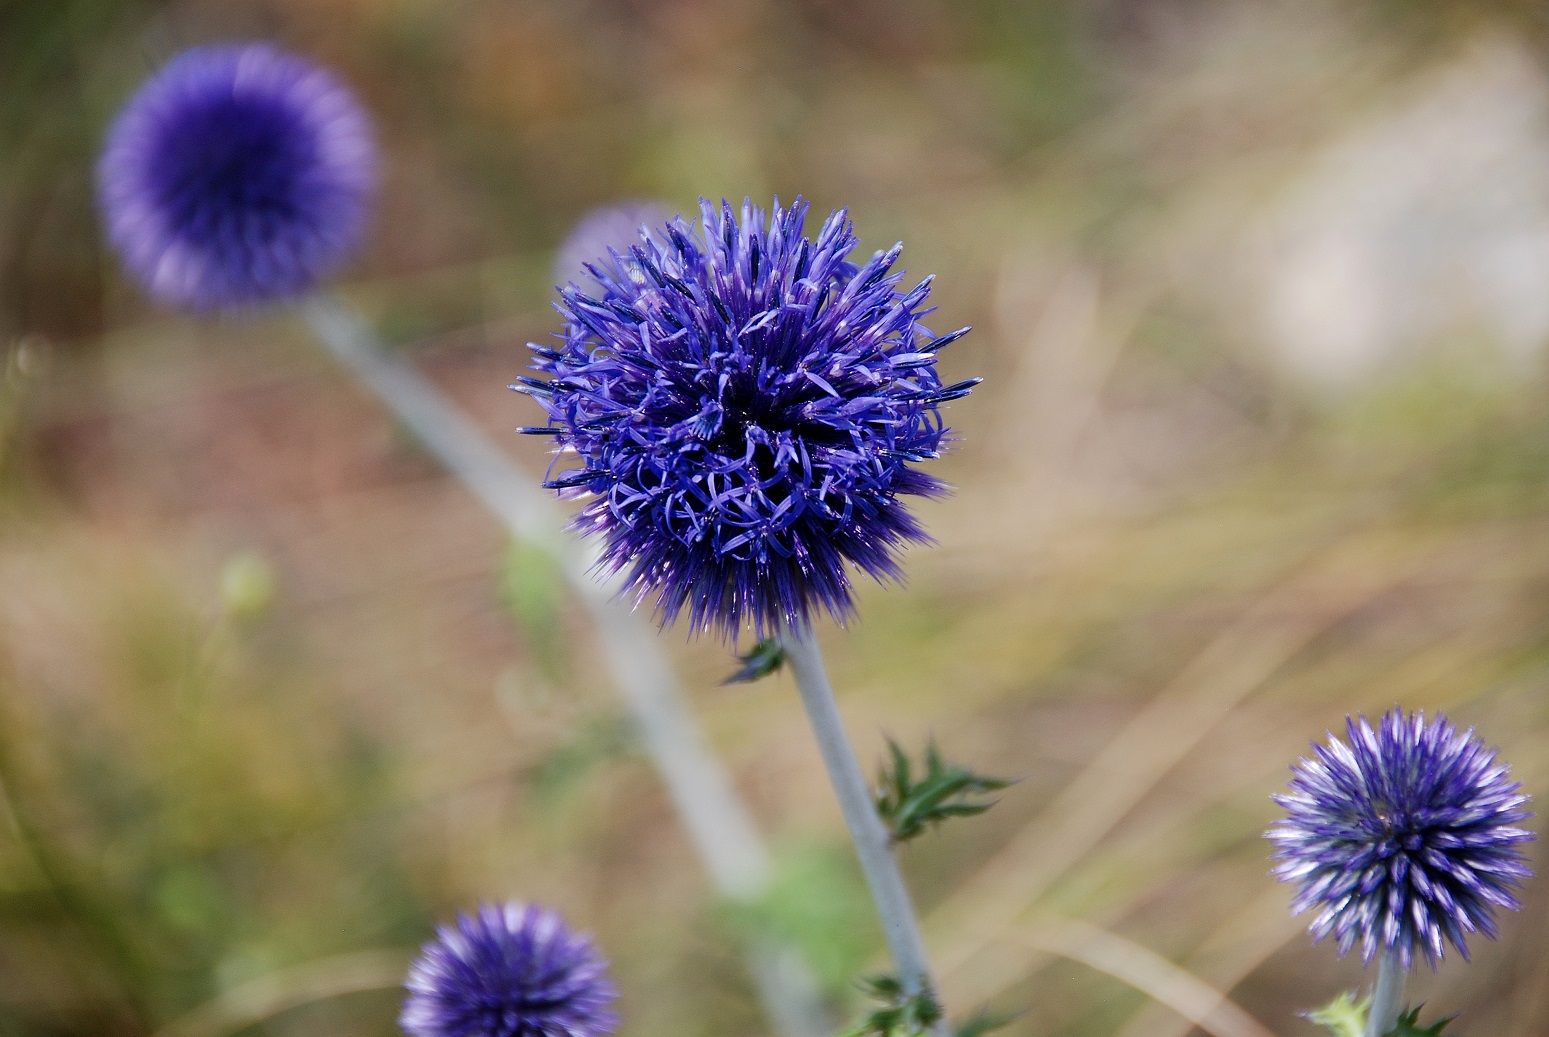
(873, 846)
(1388, 996)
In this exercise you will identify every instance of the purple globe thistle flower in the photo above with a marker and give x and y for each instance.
(604, 232)
(235, 175)
(1404, 838)
(508, 971)
(747, 406)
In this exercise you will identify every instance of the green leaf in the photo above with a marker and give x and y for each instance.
(1344, 1016)
(766, 657)
(908, 807)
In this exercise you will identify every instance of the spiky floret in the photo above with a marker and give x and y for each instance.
(511, 970)
(1404, 839)
(237, 174)
(747, 406)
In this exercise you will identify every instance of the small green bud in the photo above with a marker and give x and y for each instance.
(247, 586)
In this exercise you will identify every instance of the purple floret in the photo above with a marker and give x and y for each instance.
(508, 971)
(236, 175)
(747, 407)
(1404, 839)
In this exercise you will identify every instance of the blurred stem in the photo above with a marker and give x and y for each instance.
(718, 824)
(248, 1004)
(193, 686)
(1388, 996)
(872, 844)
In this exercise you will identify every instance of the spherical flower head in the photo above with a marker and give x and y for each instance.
(1404, 838)
(748, 407)
(605, 232)
(510, 970)
(236, 175)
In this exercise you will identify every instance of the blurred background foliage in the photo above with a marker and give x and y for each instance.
(1262, 298)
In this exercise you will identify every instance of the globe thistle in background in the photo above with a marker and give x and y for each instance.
(747, 407)
(237, 174)
(604, 235)
(508, 971)
(1404, 839)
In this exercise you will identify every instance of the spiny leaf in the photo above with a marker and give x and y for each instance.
(766, 657)
(1344, 1016)
(901, 1014)
(946, 790)
(1408, 1025)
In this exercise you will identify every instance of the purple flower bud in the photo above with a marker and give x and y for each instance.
(747, 407)
(1403, 839)
(508, 971)
(603, 233)
(236, 175)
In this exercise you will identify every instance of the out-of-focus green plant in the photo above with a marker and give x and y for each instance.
(816, 902)
(205, 822)
(595, 743)
(532, 588)
(22, 366)
(984, 1021)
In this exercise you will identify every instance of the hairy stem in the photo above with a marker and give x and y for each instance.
(719, 826)
(872, 844)
(1388, 996)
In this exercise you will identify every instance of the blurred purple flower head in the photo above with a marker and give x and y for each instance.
(237, 174)
(604, 233)
(1405, 838)
(508, 971)
(747, 406)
